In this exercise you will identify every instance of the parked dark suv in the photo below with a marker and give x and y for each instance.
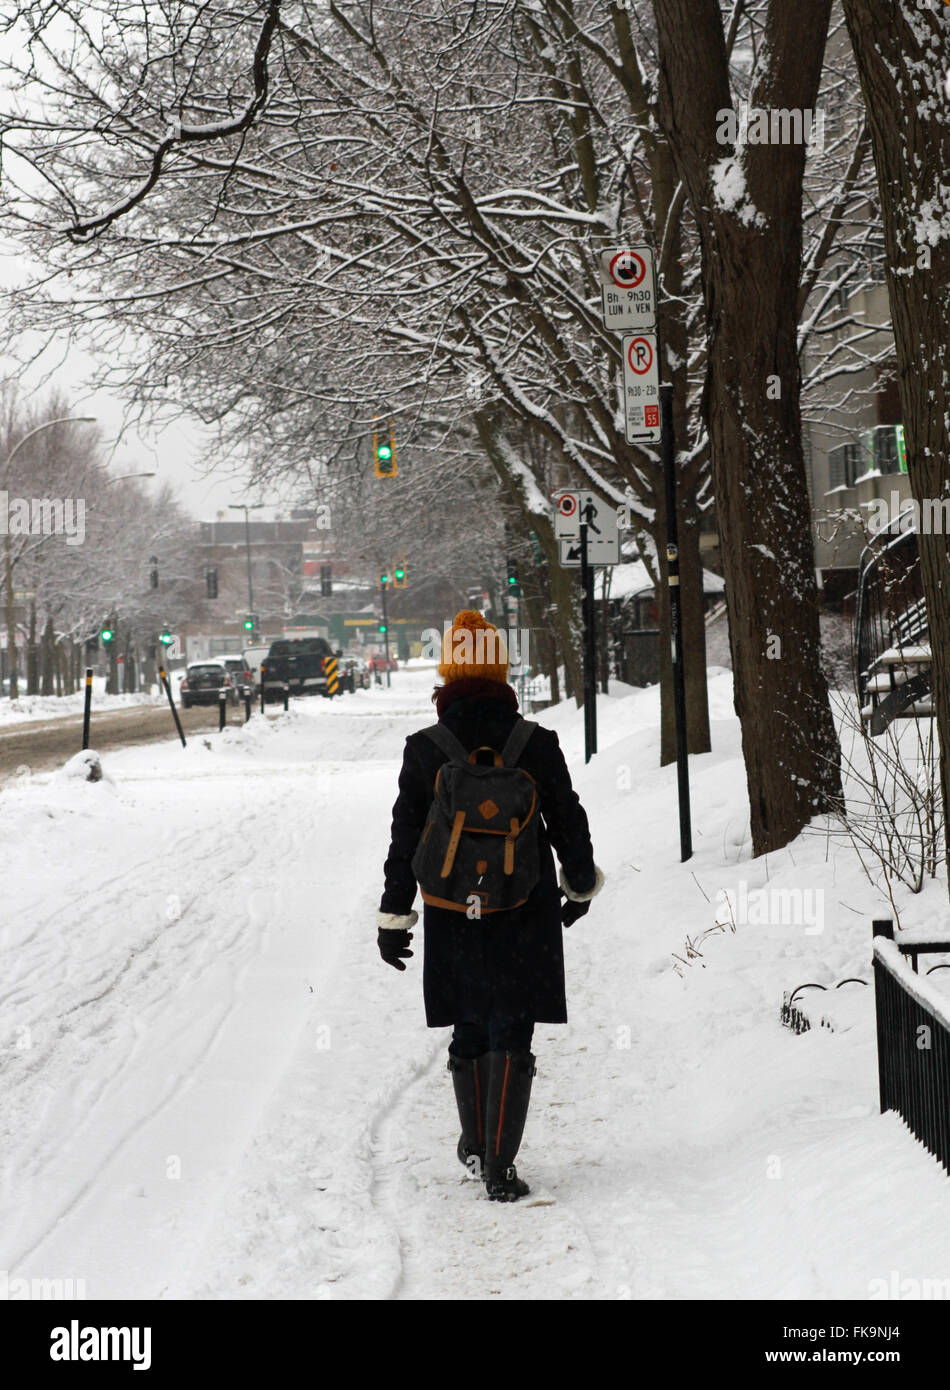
(202, 683)
(298, 663)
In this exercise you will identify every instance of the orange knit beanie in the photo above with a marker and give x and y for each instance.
(473, 647)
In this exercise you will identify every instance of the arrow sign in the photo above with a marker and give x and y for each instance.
(601, 550)
(628, 288)
(641, 388)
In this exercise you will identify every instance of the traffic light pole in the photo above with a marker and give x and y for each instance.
(247, 547)
(386, 637)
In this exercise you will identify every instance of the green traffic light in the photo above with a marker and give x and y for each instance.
(512, 579)
(248, 624)
(382, 627)
(384, 451)
(384, 579)
(107, 634)
(400, 574)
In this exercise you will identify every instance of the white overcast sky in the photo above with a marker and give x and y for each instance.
(174, 452)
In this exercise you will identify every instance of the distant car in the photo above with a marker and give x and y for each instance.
(203, 682)
(238, 670)
(253, 656)
(379, 663)
(298, 663)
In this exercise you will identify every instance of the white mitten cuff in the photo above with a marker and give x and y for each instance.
(392, 921)
(582, 897)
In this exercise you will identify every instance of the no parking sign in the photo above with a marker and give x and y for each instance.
(628, 286)
(641, 388)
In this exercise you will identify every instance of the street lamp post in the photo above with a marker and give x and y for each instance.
(7, 551)
(247, 508)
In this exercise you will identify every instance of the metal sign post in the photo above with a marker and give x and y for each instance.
(587, 533)
(628, 280)
(590, 650)
(389, 682)
(676, 624)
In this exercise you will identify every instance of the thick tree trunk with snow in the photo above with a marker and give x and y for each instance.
(747, 204)
(903, 56)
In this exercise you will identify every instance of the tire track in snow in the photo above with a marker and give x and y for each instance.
(152, 961)
(384, 1183)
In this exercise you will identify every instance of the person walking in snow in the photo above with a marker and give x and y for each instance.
(484, 796)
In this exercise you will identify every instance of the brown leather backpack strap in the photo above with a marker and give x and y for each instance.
(473, 756)
(510, 846)
(458, 825)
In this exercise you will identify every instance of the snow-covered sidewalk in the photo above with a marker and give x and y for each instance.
(213, 1087)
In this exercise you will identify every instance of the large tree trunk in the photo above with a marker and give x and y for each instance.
(47, 659)
(750, 227)
(32, 656)
(903, 53)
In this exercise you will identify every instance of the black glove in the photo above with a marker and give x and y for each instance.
(394, 945)
(570, 911)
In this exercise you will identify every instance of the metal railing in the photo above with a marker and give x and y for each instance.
(913, 1040)
(890, 608)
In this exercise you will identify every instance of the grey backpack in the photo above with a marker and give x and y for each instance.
(479, 851)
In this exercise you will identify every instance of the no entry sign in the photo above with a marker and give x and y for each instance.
(641, 388)
(628, 283)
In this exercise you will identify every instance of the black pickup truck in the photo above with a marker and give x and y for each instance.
(298, 663)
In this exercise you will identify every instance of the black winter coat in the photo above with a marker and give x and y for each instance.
(509, 963)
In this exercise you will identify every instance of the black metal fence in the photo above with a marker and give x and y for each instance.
(913, 1041)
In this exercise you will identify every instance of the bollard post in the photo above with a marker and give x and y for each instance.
(87, 708)
(163, 677)
(286, 695)
(247, 703)
(222, 709)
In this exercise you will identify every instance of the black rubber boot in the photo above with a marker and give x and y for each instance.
(509, 1090)
(470, 1079)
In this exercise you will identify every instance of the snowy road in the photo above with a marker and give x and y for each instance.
(39, 745)
(211, 1086)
